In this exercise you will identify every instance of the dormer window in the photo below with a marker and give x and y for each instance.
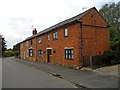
(39, 40)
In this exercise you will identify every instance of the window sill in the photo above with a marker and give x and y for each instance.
(69, 59)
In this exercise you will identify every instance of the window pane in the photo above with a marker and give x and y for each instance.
(72, 56)
(72, 51)
(48, 37)
(69, 51)
(66, 56)
(56, 36)
(53, 35)
(66, 51)
(66, 32)
(39, 40)
(40, 53)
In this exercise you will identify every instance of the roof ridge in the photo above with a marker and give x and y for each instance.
(72, 19)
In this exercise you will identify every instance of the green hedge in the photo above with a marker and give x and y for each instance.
(10, 53)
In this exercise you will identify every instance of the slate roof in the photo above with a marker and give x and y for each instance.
(75, 18)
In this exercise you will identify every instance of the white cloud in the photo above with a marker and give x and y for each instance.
(17, 16)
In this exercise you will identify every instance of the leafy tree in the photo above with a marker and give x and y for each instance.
(16, 47)
(8, 53)
(111, 13)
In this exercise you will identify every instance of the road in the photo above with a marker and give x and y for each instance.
(18, 75)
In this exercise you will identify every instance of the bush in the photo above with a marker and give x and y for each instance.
(10, 53)
(111, 57)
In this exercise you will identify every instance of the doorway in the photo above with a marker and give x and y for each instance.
(49, 53)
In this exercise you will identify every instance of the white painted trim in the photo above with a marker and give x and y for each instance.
(68, 48)
(48, 48)
(31, 48)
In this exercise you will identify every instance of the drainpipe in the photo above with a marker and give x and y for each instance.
(82, 50)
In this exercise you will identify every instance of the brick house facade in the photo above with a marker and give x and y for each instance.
(71, 42)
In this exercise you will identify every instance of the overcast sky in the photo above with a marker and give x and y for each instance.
(18, 16)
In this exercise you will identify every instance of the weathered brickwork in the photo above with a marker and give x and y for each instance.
(95, 41)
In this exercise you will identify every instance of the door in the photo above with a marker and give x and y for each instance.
(49, 53)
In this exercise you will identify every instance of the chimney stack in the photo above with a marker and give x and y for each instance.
(34, 31)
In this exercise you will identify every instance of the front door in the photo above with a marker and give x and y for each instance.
(49, 53)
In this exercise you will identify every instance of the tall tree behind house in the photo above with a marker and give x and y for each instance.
(111, 13)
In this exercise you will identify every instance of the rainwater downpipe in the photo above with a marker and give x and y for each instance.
(82, 50)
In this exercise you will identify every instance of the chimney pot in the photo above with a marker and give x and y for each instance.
(34, 31)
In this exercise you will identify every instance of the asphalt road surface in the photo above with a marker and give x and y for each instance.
(18, 75)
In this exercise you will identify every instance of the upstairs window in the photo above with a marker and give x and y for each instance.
(39, 40)
(55, 35)
(26, 43)
(40, 53)
(66, 32)
(69, 54)
(48, 37)
(31, 52)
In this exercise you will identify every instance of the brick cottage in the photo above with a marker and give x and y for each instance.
(72, 42)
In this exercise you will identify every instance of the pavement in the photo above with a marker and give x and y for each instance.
(81, 78)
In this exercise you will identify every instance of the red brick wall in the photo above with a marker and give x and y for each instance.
(96, 40)
(59, 45)
(27, 47)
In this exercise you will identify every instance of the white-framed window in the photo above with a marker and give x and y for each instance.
(55, 35)
(39, 40)
(26, 43)
(26, 53)
(66, 32)
(69, 54)
(31, 52)
(48, 36)
(40, 53)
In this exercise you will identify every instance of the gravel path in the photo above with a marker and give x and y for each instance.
(109, 70)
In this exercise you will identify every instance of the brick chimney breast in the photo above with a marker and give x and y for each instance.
(34, 31)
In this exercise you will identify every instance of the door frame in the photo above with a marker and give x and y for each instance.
(48, 55)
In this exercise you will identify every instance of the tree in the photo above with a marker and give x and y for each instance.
(2, 45)
(111, 13)
(16, 47)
